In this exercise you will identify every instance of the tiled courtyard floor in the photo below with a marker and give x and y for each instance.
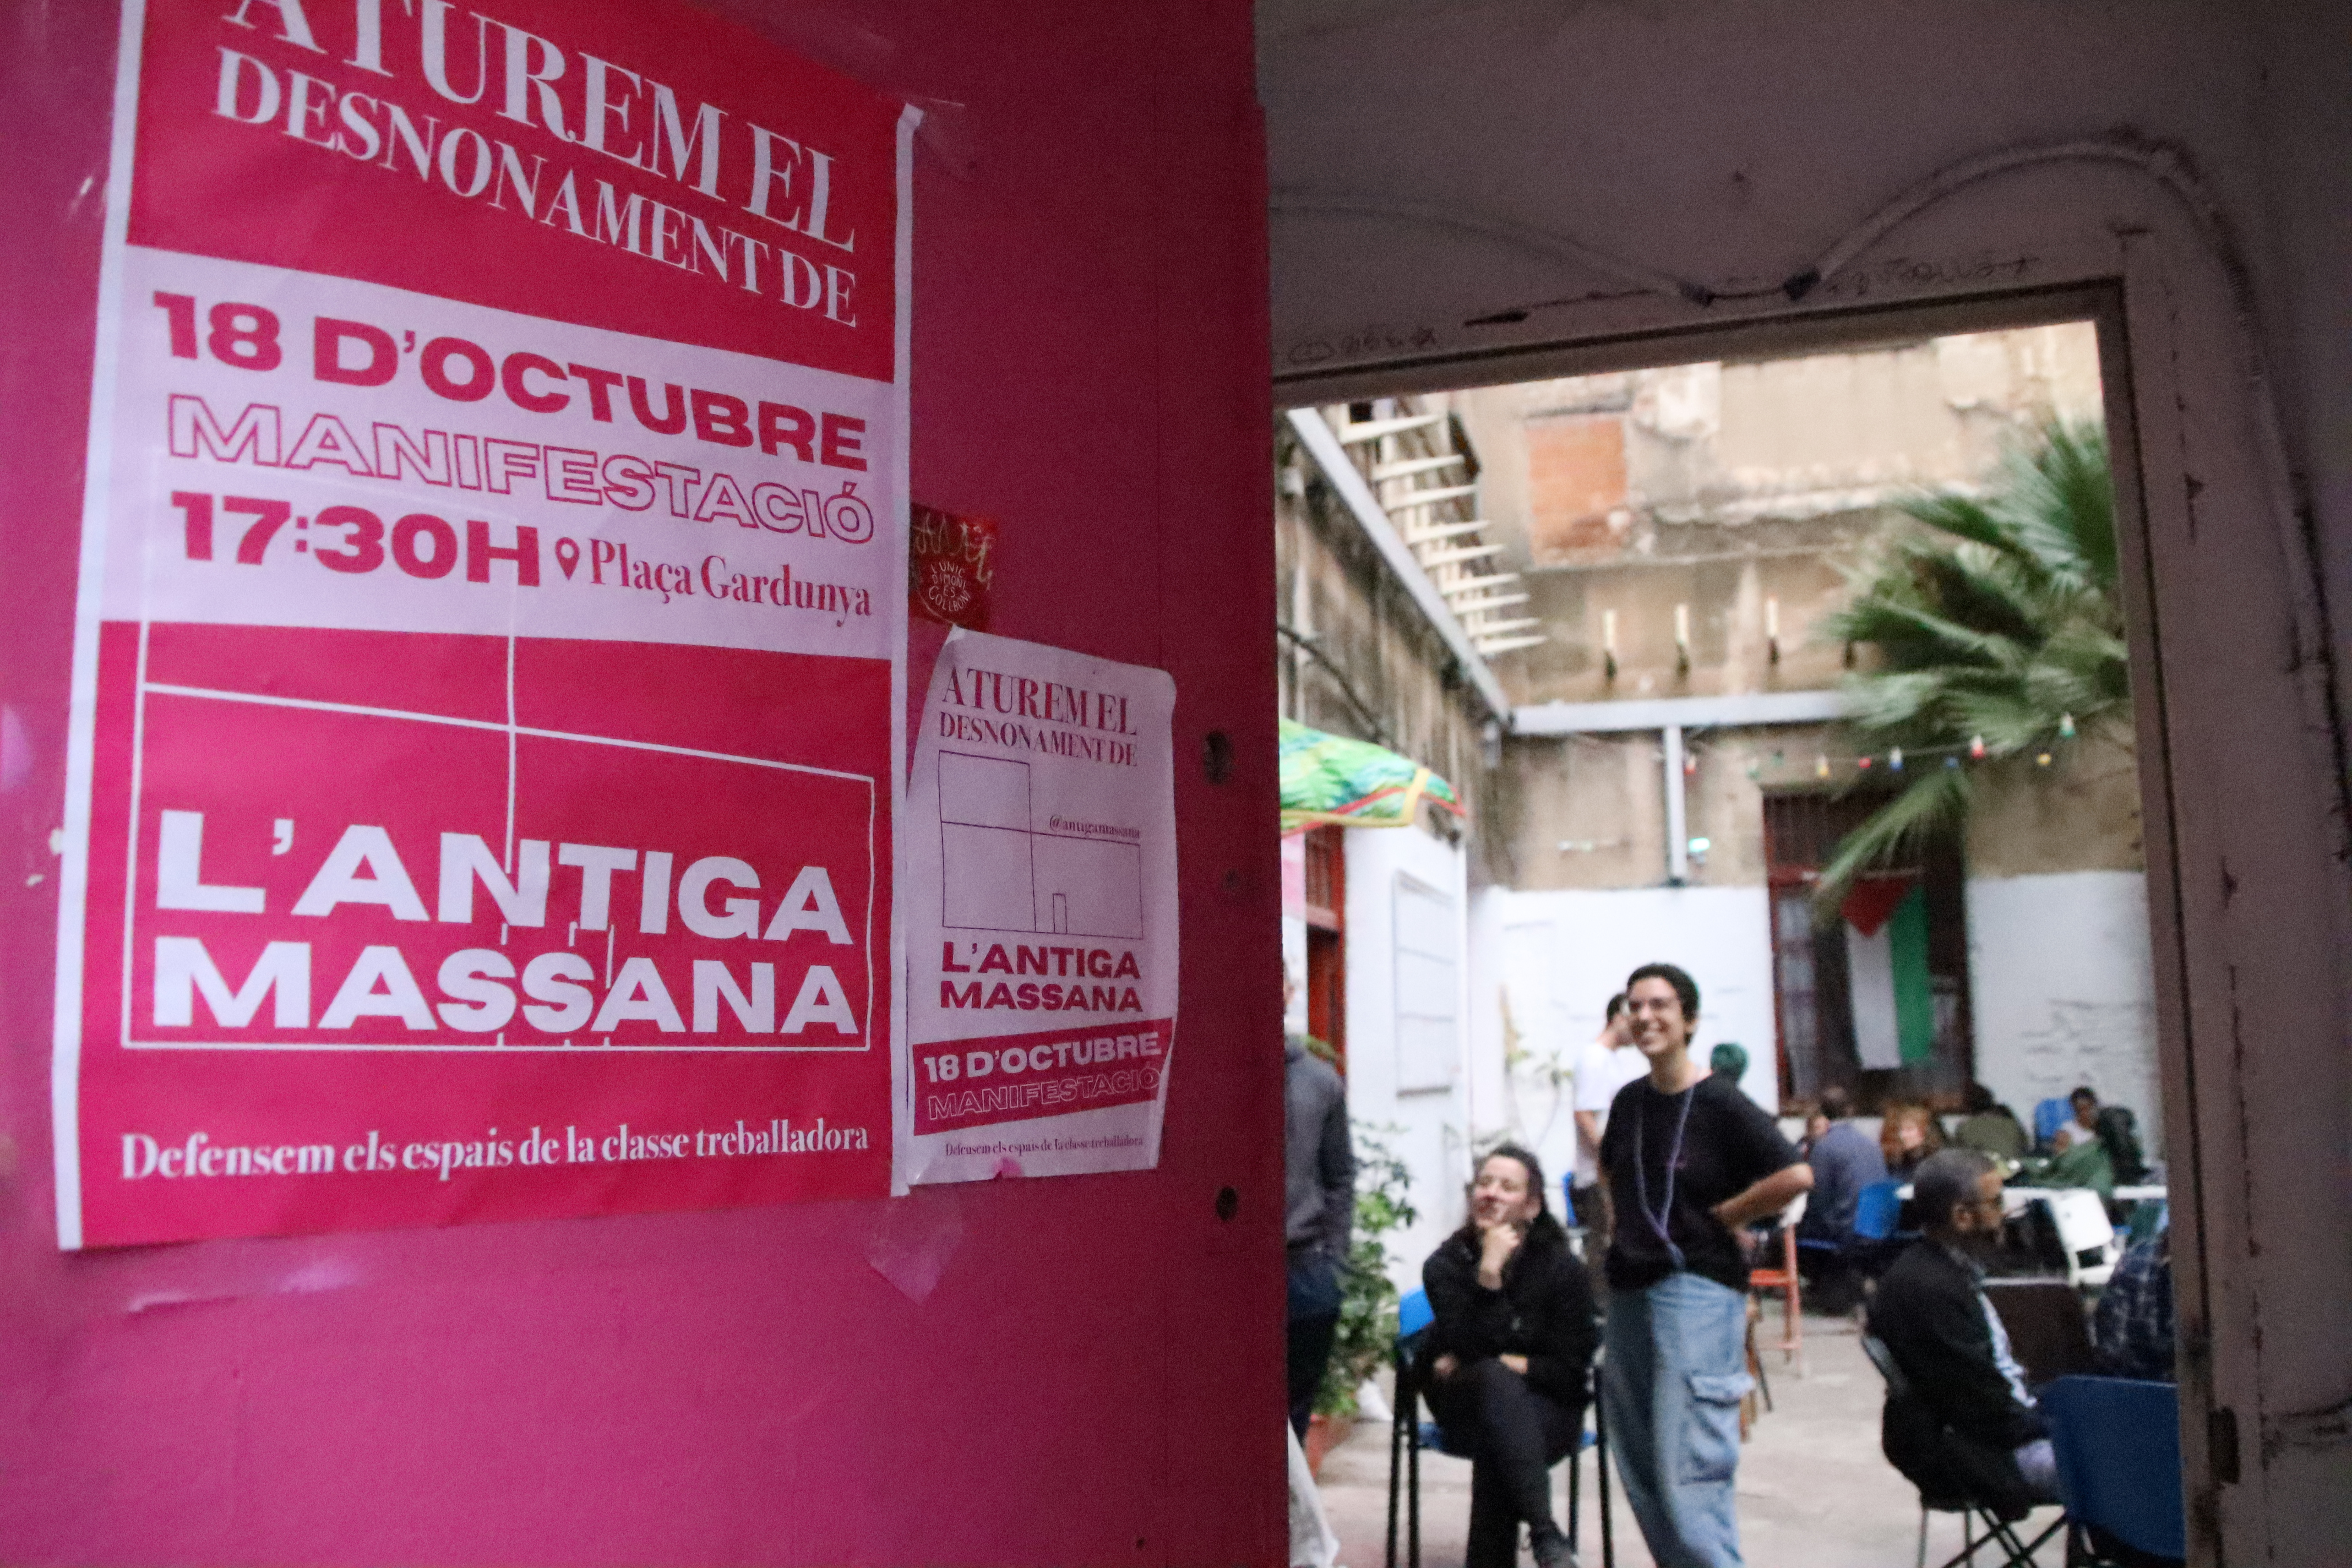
(1814, 1492)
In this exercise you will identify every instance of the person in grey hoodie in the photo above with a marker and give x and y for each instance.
(1318, 1170)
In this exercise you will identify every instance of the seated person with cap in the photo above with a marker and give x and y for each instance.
(1933, 1315)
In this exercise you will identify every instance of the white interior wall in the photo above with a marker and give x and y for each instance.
(1429, 1129)
(1556, 957)
(2062, 989)
(1293, 966)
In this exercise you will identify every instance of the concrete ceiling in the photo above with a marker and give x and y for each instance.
(1434, 162)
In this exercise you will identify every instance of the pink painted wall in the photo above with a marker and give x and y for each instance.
(1093, 1375)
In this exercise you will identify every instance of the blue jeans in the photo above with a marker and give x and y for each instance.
(1671, 1386)
(1316, 1292)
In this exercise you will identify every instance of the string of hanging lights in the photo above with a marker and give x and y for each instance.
(1895, 759)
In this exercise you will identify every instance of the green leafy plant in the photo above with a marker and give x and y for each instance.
(1368, 1305)
(1997, 626)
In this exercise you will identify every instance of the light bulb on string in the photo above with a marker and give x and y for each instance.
(1894, 760)
(1822, 766)
(2042, 760)
(1977, 747)
(2065, 726)
(1951, 762)
(1862, 764)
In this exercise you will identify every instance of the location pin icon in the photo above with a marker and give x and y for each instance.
(567, 555)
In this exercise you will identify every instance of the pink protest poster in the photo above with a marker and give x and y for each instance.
(489, 678)
(1040, 913)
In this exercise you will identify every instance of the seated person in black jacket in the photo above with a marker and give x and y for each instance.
(1932, 1313)
(1510, 1356)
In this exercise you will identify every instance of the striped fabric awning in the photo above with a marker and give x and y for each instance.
(1330, 778)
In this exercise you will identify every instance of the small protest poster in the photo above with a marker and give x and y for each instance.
(1040, 913)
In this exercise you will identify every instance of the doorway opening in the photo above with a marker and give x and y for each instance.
(1681, 602)
(1326, 918)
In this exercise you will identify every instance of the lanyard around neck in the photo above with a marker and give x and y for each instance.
(1658, 1219)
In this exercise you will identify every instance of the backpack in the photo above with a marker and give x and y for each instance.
(2118, 1131)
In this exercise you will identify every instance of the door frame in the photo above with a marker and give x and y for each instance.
(2242, 745)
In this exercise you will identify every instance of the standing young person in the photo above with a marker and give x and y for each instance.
(1690, 1160)
(1606, 1066)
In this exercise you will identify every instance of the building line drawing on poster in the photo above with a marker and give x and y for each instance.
(512, 730)
(214, 694)
(993, 860)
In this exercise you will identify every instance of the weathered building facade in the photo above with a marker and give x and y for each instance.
(1387, 611)
(1676, 776)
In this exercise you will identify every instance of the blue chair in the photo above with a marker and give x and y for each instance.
(1878, 1232)
(1877, 1210)
(2049, 1115)
(2119, 1447)
(1411, 1434)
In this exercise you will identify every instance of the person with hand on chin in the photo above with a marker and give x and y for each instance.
(1690, 1162)
(1510, 1356)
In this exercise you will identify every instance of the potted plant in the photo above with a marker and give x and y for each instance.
(1368, 1304)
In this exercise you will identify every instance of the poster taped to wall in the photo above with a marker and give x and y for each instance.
(1040, 911)
(488, 676)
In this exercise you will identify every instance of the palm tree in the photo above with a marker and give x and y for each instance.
(1998, 634)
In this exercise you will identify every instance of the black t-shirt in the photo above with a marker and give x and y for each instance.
(1729, 1145)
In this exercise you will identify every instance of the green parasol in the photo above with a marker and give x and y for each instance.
(1330, 778)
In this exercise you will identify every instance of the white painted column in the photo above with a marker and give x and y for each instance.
(1677, 824)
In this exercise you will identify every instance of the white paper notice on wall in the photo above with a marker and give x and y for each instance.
(1039, 899)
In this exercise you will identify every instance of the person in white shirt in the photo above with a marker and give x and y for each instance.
(2085, 1127)
(1606, 1066)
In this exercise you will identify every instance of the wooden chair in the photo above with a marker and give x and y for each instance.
(1784, 1279)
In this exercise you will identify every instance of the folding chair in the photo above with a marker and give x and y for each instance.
(1934, 1498)
(1878, 1235)
(1749, 1416)
(1835, 1268)
(1411, 1434)
(1877, 1210)
(1578, 1235)
(2118, 1446)
(2084, 1234)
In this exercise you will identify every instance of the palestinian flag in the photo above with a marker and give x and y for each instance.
(1886, 969)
